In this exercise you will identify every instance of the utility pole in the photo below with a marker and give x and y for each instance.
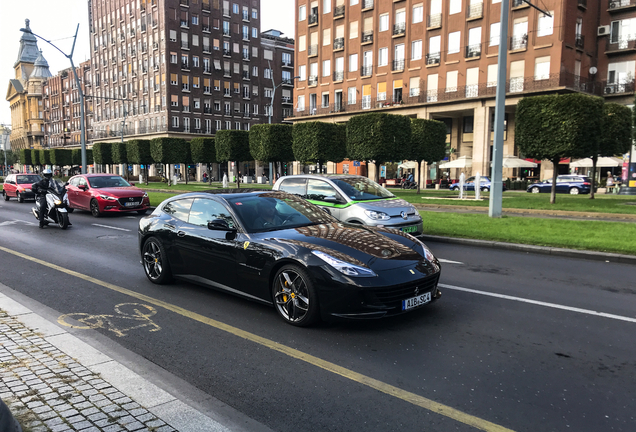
(79, 89)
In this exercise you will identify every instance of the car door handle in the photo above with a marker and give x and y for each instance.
(181, 234)
(170, 227)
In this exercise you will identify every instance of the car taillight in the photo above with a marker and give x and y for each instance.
(586, 184)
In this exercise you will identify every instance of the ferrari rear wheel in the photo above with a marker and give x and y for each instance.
(295, 297)
(155, 262)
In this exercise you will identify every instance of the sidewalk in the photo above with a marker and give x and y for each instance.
(53, 381)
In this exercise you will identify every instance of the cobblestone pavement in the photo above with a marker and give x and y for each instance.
(47, 390)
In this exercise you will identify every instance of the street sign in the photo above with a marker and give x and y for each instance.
(356, 163)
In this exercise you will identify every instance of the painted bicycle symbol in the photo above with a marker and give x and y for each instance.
(129, 316)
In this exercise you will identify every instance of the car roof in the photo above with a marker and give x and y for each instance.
(99, 175)
(322, 176)
(228, 193)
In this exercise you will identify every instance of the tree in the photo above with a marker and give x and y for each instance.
(120, 155)
(103, 153)
(428, 143)
(60, 157)
(138, 152)
(233, 146)
(319, 142)
(169, 151)
(35, 158)
(25, 157)
(271, 143)
(378, 137)
(553, 127)
(76, 157)
(203, 150)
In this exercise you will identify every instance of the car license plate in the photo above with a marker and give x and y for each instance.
(131, 204)
(409, 229)
(416, 301)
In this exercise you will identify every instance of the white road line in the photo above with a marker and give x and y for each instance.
(540, 303)
(112, 227)
(449, 261)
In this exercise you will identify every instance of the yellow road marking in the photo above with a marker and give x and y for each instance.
(404, 395)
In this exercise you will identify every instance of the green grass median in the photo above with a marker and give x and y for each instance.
(619, 204)
(197, 186)
(617, 237)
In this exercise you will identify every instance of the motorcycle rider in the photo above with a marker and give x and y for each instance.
(39, 189)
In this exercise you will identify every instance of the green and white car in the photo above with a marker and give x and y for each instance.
(354, 199)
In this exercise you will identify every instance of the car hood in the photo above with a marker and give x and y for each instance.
(128, 191)
(392, 207)
(377, 249)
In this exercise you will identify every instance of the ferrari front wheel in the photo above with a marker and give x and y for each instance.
(295, 297)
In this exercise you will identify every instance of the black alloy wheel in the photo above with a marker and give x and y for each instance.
(5, 195)
(95, 208)
(295, 297)
(155, 262)
(20, 197)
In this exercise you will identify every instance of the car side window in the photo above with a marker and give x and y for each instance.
(82, 181)
(74, 181)
(470, 179)
(206, 210)
(179, 209)
(296, 186)
(319, 190)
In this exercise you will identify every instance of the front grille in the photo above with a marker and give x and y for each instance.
(388, 295)
(136, 200)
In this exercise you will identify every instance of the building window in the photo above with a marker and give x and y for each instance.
(416, 50)
(351, 95)
(453, 42)
(455, 7)
(325, 100)
(353, 62)
(326, 68)
(326, 6)
(545, 25)
(384, 22)
(301, 103)
(383, 56)
(302, 72)
(235, 8)
(451, 81)
(495, 31)
(302, 13)
(542, 68)
(175, 122)
(418, 13)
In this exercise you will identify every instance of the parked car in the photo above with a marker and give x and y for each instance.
(354, 199)
(279, 249)
(19, 186)
(469, 184)
(572, 184)
(105, 193)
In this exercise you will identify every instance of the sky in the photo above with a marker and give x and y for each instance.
(57, 20)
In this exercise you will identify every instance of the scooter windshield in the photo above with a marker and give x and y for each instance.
(56, 186)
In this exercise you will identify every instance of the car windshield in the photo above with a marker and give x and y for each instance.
(107, 182)
(274, 211)
(27, 178)
(361, 188)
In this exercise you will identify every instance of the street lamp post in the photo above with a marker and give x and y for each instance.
(271, 108)
(79, 89)
(4, 138)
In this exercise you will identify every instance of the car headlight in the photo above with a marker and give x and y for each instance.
(145, 195)
(377, 215)
(107, 197)
(427, 252)
(344, 267)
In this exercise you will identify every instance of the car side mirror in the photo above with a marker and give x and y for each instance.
(219, 225)
(82, 187)
(332, 200)
(66, 184)
(132, 184)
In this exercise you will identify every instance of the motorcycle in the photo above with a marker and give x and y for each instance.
(56, 205)
(409, 185)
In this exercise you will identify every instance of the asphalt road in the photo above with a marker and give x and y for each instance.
(515, 341)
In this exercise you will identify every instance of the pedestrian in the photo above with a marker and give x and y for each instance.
(610, 183)
(205, 177)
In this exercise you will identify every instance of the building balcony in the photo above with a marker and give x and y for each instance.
(367, 37)
(245, 16)
(367, 4)
(434, 21)
(227, 12)
(399, 29)
(287, 64)
(312, 51)
(205, 28)
(582, 4)
(185, 45)
(227, 52)
(620, 5)
(518, 4)
(339, 11)
(398, 65)
(579, 41)
(366, 71)
(313, 19)
(519, 42)
(246, 75)
(473, 51)
(226, 32)
(338, 44)
(619, 46)
(475, 11)
(338, 76)
(618, 88)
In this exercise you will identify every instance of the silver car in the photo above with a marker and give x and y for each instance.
(354, 199)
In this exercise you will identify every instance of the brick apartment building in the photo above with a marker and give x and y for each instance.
(282, 65)
(184, 67)
(61, 104)
(438, 59)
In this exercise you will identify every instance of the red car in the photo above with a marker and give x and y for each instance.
(19, 186)
(105, 193)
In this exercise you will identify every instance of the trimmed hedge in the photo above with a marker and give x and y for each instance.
(428, 141)
(170, 150)
(271, 143)
(203, 150)
(119, 153)
(103, 153)
(616, 135)
(25, 157)
(232, 146)
(138, 152)
(319, 141)
(377, 136)
(76, 157)
(60, 157)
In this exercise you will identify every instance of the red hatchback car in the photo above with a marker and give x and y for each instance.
(105, 193)
(19, 186)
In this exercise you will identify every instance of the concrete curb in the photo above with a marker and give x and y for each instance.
(571, 253)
